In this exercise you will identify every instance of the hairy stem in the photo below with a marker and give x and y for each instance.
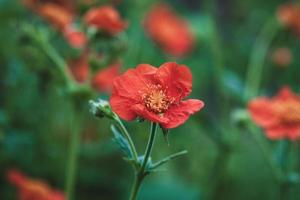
(149, 146)
(141, 173)
(127, 135)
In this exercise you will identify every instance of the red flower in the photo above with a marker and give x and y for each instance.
(103, 80)
(155, 94)
(289, 16)
(279, 116)
(80, 68)
(105, 18)
(282, 57)
(57, 15)
(76, 38)
(30, 189)
(168, 30)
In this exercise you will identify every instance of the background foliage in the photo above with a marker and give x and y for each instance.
(224, 160)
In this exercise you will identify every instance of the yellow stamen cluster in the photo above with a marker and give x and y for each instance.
(289, 112)
(156, 100)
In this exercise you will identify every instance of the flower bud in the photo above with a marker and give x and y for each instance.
(102, 109)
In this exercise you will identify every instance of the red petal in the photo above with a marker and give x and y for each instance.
(122, 106)
(179, 113)
(275, 133)
(132, 82)
(127, 90)
(177, 79)
(280, 131)
(76, 38)
(294, 132)
(284, 93)
(104, 78)
(261, 112)
(143, 112)
(16, 177)
(80, 68)
(106, 18)
(147, 70)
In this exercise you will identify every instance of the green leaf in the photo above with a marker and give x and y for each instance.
(167, 159)
(166, 134)
(122, 143)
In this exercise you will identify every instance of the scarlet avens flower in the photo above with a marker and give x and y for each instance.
(289, 16)
(80, 67)
(105, 18)
(168, 30)
(103, 79)
(282, 57)
(30, 189)
(155, 94)
(57, 15)
(279, 116)
(75, 38)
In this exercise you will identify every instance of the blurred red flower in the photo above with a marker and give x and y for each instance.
(59, 16)
(31, 189)
(289, 16)
(279, 116)
(105, 18)
(75, 38)
(168, 30)
(80, 67)
(103, 79)
(155, 94)
(282, 57)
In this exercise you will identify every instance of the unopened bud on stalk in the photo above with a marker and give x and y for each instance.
(101, 108)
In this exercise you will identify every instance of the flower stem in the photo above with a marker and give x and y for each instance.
(136, 186)
(257, 58)
(127, 135)
(151, 140)
(72, 159)
(284, 162)
(141, 173)
(41, 39)
(60, 63)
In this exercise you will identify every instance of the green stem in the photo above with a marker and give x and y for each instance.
(149, 148)
(136, 186)
(72, 159)
(41, 39)
(127, 135)
(284, 162)
(215, 42)
(257, 58)
(141, 173)
(60, 63)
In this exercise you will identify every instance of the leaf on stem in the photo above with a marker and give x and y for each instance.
(165, 160)
(122, 143)
(166, 134)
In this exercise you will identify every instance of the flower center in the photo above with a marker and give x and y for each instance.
(289, 112)
(156, 100)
